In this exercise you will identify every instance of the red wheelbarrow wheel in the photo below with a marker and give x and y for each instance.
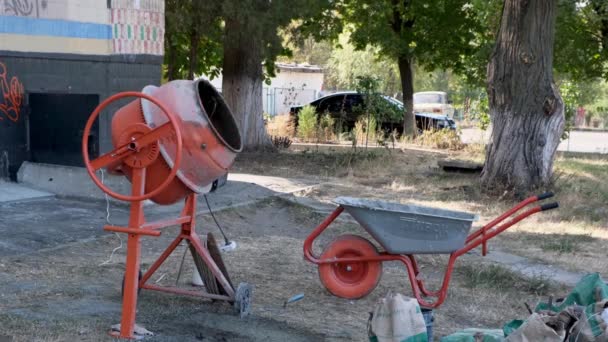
(350, 280)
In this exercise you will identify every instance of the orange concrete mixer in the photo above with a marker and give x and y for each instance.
(171, 143)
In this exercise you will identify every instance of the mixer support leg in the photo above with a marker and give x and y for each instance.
(189, 233)
(129, 301)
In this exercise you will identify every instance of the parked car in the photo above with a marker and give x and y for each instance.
(343, 106)
(433, 102)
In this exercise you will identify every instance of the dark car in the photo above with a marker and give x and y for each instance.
(343, 107)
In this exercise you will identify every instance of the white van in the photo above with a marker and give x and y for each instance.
(435, 102)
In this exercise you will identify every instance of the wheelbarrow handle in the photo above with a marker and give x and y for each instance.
(549, 206)
(545, 196)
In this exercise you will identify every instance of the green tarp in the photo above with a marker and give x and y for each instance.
(591, 292)
(475, 335)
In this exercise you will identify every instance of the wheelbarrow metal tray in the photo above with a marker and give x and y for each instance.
(410, 229)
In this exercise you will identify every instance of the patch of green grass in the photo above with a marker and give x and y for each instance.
(582, 188)
(565, 243)
(501, 278)
(577, 165)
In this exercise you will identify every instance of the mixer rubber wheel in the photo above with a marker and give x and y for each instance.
(350, 280)
(212, 285)
(122, 287)
(242, 299)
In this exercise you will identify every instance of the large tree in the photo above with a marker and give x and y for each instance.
(240, 38)
(193, 40)
(434, 34)
(526, 108)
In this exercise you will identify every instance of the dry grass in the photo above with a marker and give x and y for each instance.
(501, 279)
(270, 236)
(75, 299)
(442, 139)
(573, 236)
(271, 258)
(281, 125)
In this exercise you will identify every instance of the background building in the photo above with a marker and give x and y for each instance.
(294, 85)
(58, 60)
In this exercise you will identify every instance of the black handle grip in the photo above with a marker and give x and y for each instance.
(545, 195)
(549, 206)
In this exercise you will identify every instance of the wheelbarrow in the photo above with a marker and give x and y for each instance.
(351, 266)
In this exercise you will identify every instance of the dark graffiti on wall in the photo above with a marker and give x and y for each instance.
(24, 7)
(11, 96)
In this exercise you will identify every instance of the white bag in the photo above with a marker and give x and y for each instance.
(398, 318)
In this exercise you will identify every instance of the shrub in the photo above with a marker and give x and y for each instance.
(307, 123)
(362, 129)
(281, 142)
(326, 128)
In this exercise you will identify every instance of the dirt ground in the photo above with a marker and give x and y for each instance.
(66, 294)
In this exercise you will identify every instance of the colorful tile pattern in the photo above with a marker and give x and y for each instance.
(138, 26)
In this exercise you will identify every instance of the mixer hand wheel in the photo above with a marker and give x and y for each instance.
(134, 146)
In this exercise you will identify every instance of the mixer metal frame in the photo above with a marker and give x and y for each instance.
(138, 227)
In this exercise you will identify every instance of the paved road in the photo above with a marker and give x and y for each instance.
(589, 142)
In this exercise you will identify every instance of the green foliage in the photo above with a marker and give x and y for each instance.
(196, 31)
(375, 104)
(307, 123)
(346, 64)
(435, 32)
(305, 49)
(326, 128)
(436, 80)
(481, 112)
(261, 22)
(473, 69)
(581, 39)
(327, 121)
(580, 94)
(193, 39)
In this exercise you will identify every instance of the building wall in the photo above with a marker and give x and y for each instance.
(291, 87)
(74, 47)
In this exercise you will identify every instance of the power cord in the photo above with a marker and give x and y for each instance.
(228, 244)
(110, 223)
(226, 241)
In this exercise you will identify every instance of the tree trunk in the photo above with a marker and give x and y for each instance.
(407, 86)
(526, 108)
(242, 84)
(194, 42)
(171, 70)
